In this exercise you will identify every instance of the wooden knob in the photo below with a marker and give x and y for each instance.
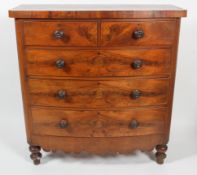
(60, 63)
(63, 124)
(59, 34)
(134, 124)
(135, 94)
(136, 64)
(61, 94)
(137, 34)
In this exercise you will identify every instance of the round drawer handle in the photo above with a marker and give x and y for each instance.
(63, 124)
(137, 34)
(135, 94)
(133, 124)
(58, 34)
(136, 64)
(60, 63)
(61, 94)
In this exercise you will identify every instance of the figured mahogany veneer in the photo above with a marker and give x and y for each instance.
(116, 93)
(100, 123)
(97, 11)
(98, 63)
(98, 79)
(120, 34)
(73, 33)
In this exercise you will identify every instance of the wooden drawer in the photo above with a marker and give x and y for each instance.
(106, 93)
(98, 123)
(60, 33)
(90, 63)
(150, 32)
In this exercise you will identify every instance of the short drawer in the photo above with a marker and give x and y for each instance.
(98, 123)
(94, 63)
(106, 93)
(60, 33)
(150, 32)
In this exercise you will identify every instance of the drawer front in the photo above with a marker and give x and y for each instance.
(60, 33)
(98, 123)
(99, 93)
(137, 33)
(80, 63)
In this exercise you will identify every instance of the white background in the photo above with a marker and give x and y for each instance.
(182, 153)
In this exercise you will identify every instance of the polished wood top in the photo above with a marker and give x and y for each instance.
(96, 11)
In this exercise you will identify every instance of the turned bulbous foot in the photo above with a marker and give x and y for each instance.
(35, 154)
(160, 154)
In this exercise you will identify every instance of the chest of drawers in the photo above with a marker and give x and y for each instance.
(97, 79)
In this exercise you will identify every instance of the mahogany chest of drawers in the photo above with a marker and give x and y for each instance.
(97, 79)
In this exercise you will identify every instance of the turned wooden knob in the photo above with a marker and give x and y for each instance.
(138, 33)
(63, 124)
(58, 34)
(135, 94)
(61, 94)
(60, 63)
(136, 64)
(134, 124)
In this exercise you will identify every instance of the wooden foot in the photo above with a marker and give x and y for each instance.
(35, 154)
(160, 154)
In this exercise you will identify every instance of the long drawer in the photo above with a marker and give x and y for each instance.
(117, 123)
(105, 93)
(54, 33)
(98, 63)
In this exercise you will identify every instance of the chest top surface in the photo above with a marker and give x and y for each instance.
(96, 11)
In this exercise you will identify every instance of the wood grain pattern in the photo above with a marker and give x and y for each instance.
(172, 81)
(96, 11)
(23, 78)
(75, 33)
(86, 123)
(97, 63)
(99, 145)
(99, 94)
(120, 33)
(98, 101)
